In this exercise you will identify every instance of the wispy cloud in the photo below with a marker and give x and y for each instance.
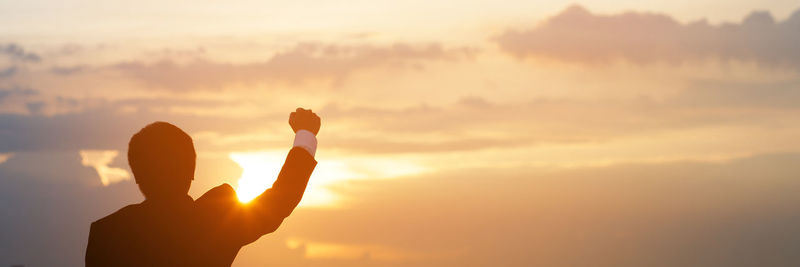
(303, 62)
(13, 57)
(578, 35)
(780, 95)
(17, 53)
(15, 91)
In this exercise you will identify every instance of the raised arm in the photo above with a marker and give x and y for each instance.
(288, 189)
(244, 223)
(266, 212)
(279, 201)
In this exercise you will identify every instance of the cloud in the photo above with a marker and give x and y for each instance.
(8, 72)
(13, 57)
(5, 156)
(16, 91)
(99, 160)
(109, 126)
(35, 107)
(385, 130)
(329, 64)
(303, 62)
(752, 95)
(475, 123)
(67, 70)
(578, 35)
(470, 124)
(95, 130)
(17, 53)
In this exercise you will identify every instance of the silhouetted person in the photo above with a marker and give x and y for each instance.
(169, 228)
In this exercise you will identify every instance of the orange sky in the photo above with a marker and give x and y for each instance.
(601, 134)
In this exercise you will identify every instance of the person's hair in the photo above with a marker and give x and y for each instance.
(162, 159)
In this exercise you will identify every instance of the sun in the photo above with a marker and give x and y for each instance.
(259, 171)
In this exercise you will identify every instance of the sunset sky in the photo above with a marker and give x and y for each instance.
(454, 133)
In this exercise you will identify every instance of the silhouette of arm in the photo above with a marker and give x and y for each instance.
(245, 223)
(278, 202)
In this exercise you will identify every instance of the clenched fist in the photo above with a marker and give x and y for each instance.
(304, 119)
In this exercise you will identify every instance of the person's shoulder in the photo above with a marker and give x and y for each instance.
(221, 193)
(217, 201)
(121, 215)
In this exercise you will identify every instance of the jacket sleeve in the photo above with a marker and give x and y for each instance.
(276, 203)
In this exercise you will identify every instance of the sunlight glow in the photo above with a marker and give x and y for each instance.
(261, 168)
(259, 171)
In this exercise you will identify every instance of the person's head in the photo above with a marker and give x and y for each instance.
(162, 159)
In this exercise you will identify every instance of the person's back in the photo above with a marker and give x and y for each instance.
(169, 228)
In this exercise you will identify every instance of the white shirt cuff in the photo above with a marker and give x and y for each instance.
(306, 140)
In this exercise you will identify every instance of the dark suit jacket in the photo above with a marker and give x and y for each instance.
(208, 231)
